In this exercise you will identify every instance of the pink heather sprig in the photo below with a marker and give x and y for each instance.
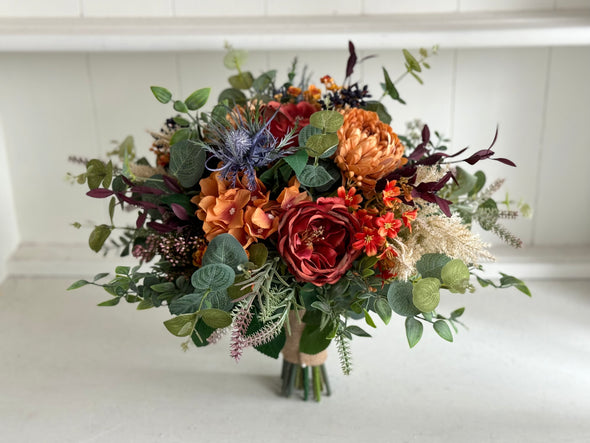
(242, 319)
(216, 335)
(264, 335)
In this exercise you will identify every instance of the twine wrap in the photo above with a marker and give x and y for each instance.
(291, 349)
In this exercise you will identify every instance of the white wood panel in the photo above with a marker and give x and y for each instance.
(39, 8)
(504, 88)
(313, 7)
(124, 103)
(505, 5)
(206, 70)
(572, 4)
(564, 186)
(409, 6)
(432, 102)
(9, 232)
(219, 8)
(126, 8)
(47, 111)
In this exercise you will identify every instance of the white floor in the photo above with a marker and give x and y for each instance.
(73, 372)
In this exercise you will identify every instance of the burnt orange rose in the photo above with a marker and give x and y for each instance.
(315, 240)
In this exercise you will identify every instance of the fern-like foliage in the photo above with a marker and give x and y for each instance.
(242, 318)
(344, 353)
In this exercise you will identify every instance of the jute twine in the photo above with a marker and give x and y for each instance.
(291, 349)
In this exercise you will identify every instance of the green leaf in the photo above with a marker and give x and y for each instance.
(307, 132)
(201, 333)
(380, 109)
(297, 161)
(383, 310)
(233, 97)
(479, 183)
(417, 77)
(411, 60)
(163, 95)
(78, 284)
(181, 121)
(213, 276)
(314, 176)
(318, 144)
(353, 329)
(187, 162)
(508, 280)
(414, 329)
(197, 99)
(180, 136)
(258, 254)
(163, 287)
(426, 294)
(399, 296)
(369, 320)
(328, 121)
(264, 80)
(430, 265)
(235, 58)
(98, 236)
(314, 339)
(466, 182)
(123, 270)
(111, 302)
(216, 318)
(457, 313)
(95, 173)
(112, 204)
(455, 274)
(146, 303)
(180, 106)
(182, 325)
(442, 328)
(390, 89)
(108, 175)
(188, 304)
(100, 276)
(243, 80)
(225, 248)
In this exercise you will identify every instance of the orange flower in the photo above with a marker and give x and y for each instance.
(388, 225)
(408, 217)
(351, 198)
(313, 94)
(292, 196)
(390, 194)
(368, 149)
(294, 91)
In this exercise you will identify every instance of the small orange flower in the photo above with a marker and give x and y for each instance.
(390, 194)
(329, 83)
(408, 217)
(312, 94)
(388, 225)
(369, 240)
(351, 198)
(294, 91)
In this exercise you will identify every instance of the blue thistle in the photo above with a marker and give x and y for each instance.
(243, 149)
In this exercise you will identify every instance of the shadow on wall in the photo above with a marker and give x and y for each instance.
(8, 226)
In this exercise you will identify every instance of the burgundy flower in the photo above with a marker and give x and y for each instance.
(287, 117)
(315, 240)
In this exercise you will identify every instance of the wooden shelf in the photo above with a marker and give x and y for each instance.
(449, 30)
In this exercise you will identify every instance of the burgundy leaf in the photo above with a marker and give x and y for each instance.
(505, 161)
(159, 227)
(432, 159)
(179, 211)
(147, 190)
(461, 151)
(141, 219)
(126, 180)
(100, 193)
(495, 138)
(352, 58)
(172, 184)
(443, 205)
(425, 134)
(418, 153)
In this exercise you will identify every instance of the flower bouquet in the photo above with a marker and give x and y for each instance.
(289, 213)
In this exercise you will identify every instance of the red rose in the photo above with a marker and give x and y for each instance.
(287, 117)
(315, 240)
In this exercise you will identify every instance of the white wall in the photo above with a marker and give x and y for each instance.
(56, 104)
(9, 236)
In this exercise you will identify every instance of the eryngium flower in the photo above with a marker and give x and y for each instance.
(368, 149)
(315, 240)
(243, 144)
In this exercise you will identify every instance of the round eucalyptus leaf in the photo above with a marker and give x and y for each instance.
(426, 294)
(455, 275)
(214, 276)
(226, 249)
(399, 297)
(329, 121)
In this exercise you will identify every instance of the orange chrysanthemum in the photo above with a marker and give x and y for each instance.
(368, 149)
